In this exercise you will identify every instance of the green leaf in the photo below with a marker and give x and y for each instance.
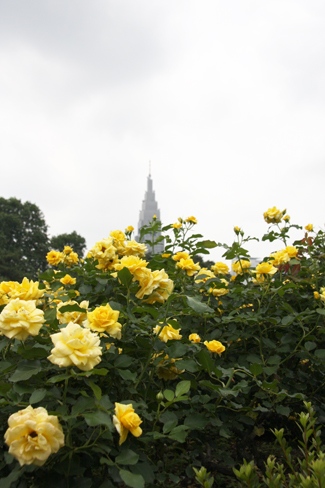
(37, 396)
(195, 421)
(206, 361)
(3, 343)
(310, 345)
(207, 244)
(58, 377)
(320, 353)
(127, 457)
(72, 308)
(182, 388)
(169, 395)
(31, 352)
(198, 306)
(123, 361)
(4, 388)
(130, 479)
(188, 364)
(283, 410)
(96, 390)
(321, 311)
(178, 349)
(179, 433)
(127, 375)
(256, 369)
(98, 418)
(25, 370)
(276, 359)
(125, 277)
(50, 314)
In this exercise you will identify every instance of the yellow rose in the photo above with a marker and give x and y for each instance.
(286, 218)
(214, 346)
(195, 338)
(167, 333)
(164, 289)
(265, 268)
(236, 229)
(322, 294)
(166, 255)
(134, 248)
(191, 219)
(178, 225)
(219, 292)
(203, 275)
(180, 255)
(33, 435)
(104, 319)
(27, 290)
(54, 257)
(188, 265)
(309, 227)
(75, 317)
(316, 295)
(292, 251)
(21, 318)
(220, 268)
(107, 264)
(126, 420)
(241, 266)
(134, 265)
(118, 240)
(71, 258)
(68, 280)
(154, 217)
(67, 249)
(273, 215)
(280, 257)
(103, 250)
(75, 346)
(129, 229)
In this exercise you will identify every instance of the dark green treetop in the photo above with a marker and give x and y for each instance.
(74, 240)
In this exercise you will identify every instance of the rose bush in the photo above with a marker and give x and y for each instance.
(195, 363)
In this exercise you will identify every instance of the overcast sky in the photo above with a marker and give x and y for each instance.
(226, 98)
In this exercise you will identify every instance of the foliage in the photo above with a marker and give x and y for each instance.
(306, 471)
(194, 407)
(23, 240)
(74, 240)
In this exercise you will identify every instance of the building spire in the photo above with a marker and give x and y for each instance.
(149, 169)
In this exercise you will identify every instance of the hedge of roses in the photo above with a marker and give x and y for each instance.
(122, 370)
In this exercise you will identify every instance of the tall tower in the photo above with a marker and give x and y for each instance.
(149, 209)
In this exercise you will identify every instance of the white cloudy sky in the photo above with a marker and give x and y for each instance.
(225, 97)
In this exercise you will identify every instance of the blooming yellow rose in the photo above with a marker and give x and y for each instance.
(167, 333)
(68, 280)
(273, 215)
(126, 420)
(54, 257)
(33, 435)
(177, 225)
(280, 257)
(71, 258)
(75, 317)
(181, 255)
(166, 255)
(191, 219)
(188, 265)
(194, 338)
(107, 264)
(134, 248)
(265, 268)
(241, 266)
(26, 290)
(203, 275)
(292, 251)
(75, 346)
(316, 295)
(21, 318)
(214, 346)
(134, 264)
(118, 240)
(67, 249)
(129, 229)
(219, 292)
(103, 250)
(322, 294)
(104, 319)
(164, 288)
(220, 268)
(309, 227)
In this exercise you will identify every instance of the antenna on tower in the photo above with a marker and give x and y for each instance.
(150, 169)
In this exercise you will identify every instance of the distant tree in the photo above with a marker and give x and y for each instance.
(74, 240)
(23, 240)
(204, 264)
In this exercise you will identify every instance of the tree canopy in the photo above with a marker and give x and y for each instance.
(23, 240)
(74, 240)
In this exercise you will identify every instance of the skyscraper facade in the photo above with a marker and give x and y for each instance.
(147, 212)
